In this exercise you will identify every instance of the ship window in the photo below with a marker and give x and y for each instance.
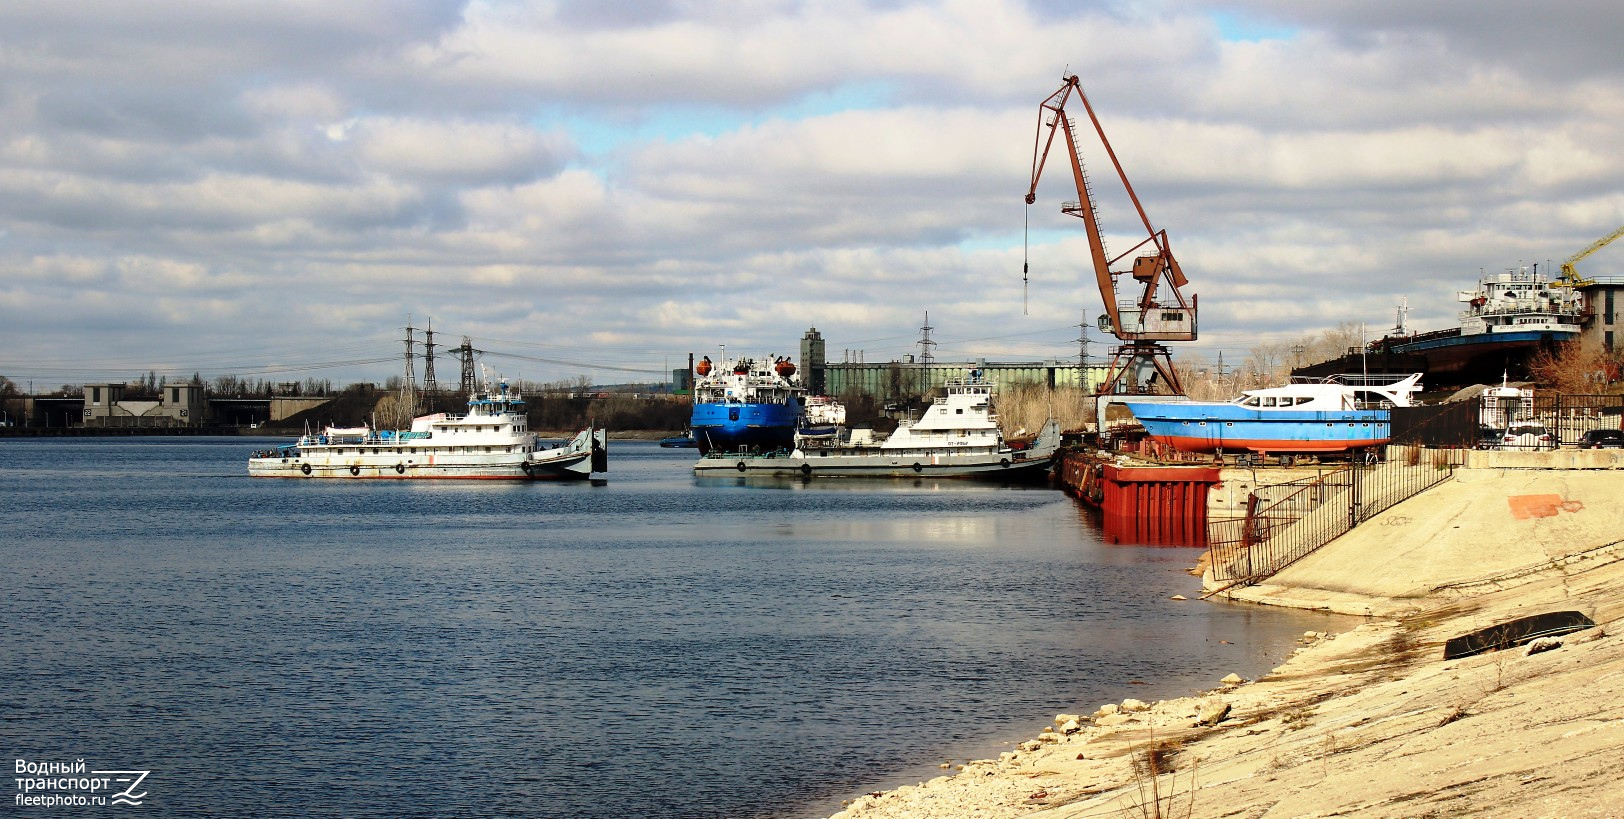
(960, 410)
(1268, 402)
(1251, 401)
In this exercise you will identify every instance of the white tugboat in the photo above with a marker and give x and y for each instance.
(957, 437)
(491, 442)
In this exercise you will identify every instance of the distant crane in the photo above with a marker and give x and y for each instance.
(1161, 312)
(1570, 277)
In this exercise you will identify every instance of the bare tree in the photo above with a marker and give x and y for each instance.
(1574, 367)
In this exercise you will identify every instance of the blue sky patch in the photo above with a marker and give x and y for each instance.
(1236, 28)
(598, 135)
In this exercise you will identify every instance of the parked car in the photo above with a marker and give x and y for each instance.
(1602, 439)
(1489, 438)
(1527, 435)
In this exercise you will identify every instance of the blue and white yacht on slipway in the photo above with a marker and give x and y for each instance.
(1337, 415)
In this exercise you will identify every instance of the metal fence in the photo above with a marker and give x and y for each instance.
(1439, 425)
(1286, 522)
(1569, 417)
(1458, 424)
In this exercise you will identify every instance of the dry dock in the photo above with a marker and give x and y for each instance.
(1374, 722)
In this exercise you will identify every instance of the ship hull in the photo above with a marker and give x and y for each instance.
(575, 468)
(419, 459)
(1481, 357)
(1203, 427)
(746, 427)
(824, 459)
(390, 467)
(1007, 465)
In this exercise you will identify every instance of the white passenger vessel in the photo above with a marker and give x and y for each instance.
(958, 437)
(490, 442)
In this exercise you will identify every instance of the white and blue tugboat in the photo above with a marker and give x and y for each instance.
(491, 442)
(746, 407)
(957, 437)
(1336, 415)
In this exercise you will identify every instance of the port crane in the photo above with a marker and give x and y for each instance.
(1161, 312)
(1570, 277)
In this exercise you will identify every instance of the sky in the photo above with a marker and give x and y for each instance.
(276, 189)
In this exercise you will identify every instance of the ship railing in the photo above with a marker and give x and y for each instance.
(1353, 379)
(1287, 522)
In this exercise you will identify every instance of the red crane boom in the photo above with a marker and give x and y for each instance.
(1161, 312)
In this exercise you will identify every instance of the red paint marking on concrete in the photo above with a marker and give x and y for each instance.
(1524, 507)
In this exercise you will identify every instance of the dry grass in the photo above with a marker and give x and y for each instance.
(1027, 406)
(1156, 782)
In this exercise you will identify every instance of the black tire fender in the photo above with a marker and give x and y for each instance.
(305, 468)
(918, 467)
(741, 466)
(355, 470)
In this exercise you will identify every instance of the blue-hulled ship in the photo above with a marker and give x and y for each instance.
(746, 407)
(1333, 416)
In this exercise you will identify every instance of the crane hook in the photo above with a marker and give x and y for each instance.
(1026, 264)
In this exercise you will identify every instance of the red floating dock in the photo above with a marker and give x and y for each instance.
(1157, 505)
(1148, 505)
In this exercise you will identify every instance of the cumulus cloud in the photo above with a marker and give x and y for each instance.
(631, 181)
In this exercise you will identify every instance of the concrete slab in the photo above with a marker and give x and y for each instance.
(1483, 524)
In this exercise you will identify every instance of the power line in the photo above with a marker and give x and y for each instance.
(564, 363)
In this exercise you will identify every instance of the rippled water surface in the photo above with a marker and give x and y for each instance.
(660, 646)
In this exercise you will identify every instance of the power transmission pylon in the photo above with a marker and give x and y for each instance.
(925, 344)
(431, 388)
(408, 390)
(466, 353)
(1082, 352)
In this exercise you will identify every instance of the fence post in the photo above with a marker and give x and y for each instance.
(1354, 483)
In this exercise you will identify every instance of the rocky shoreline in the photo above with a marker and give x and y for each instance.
(1373, 721)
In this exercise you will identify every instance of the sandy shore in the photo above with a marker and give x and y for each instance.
(1372, 722)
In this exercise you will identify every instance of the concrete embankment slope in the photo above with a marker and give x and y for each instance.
(1485, 526)
(1374, 722)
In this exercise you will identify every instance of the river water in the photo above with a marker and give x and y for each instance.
(660, 646)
